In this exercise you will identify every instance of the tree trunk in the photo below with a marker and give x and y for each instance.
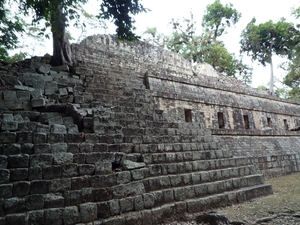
(271, 89)
(61, 47)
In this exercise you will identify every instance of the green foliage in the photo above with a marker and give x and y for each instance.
(119, 11)
(217, 17)
(261, 41)
(204, 47)
(10, 25)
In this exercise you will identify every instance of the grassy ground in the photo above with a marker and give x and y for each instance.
(284, 203)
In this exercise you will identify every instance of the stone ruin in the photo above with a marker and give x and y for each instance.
(134, 134)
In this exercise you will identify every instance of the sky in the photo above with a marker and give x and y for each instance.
(162, 12)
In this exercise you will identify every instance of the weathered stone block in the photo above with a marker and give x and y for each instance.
(24, 137)
(36, 217)
(114, 207)
(18, 174)
(15, 219)
(14, 205)
(27, 148)
(4, 176)
(39, 137)
(53, 217)
(86, 169)
(35, 173)
(18, 161)
(8, 137)
(34, 202)
(21, 188)
(102, 168)
(103, 210)
(58, 129)
(60, 185)
(50, 88)
(6, 190)
(80, 182)
(3, 162)
(70, 215)
(87, 210)
(39, 187)
(52, 172)
(53, 201)
(41, 160)
(11, 149)
(70, 170)
(38, 102)
(62, 158)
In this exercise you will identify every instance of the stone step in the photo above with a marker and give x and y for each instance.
(200, 177)
(170, 211)
(175, 146)
(175, 157)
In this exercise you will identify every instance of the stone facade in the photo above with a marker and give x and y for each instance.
(134, 134)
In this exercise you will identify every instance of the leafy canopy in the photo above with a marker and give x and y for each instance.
(261, 41)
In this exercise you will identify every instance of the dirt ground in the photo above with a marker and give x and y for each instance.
(281, 208)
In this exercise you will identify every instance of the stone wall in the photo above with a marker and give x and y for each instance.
(125, 137)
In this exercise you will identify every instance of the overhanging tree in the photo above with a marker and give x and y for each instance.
(262, 41)
(58, 13)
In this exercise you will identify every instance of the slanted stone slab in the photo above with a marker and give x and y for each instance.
(130, 165)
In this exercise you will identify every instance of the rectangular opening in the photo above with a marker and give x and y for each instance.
(246, 121)
(221, 120)
(188, 115)
(286, 126)
(269, 122)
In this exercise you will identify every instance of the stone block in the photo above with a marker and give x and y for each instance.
(87, 210)
(34, 202)
(24, 137)
(27, 148)
(148, 200)
(3, 162)
(9, 126)
(71, 215)
(39, 187)
(41, 160)
(4, 176)
(6, 190)
(127, 204)
(36, 217)
(43, 148)
(18, 174)
(14, 205)
(58, 129)
(8, 137)
(35, 173)
(56, 138)
(50, 88)
(53, 201)
(53, 217)
(123, 177)
(52, 172)
(103, 210)
(9, 95)
(37, 93)
(63, 91)
(59, 185)
(16, 219)
(21, 188)
(39, 137)
(86, 169)
(37, 102)
(18, 161)
(62, 158)
(78, 183)
(70, 170)
(102, 168)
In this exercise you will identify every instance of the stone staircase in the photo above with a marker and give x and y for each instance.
(114, 159)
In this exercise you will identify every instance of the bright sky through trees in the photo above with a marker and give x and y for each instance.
(162, 11)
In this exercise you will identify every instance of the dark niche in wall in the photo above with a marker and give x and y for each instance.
(188, 115)
(269, 122)
(221, 121)
(286, 126)
(246, 121)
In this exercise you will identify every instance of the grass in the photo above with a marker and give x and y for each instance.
(286, 199)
